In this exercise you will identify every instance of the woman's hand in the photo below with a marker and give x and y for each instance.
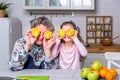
(47, 44)
(29, 40)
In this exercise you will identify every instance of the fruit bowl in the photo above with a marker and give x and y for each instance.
(106, 42)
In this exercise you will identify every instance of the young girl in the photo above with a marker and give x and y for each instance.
(68, 49)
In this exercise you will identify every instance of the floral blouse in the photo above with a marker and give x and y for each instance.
(19, 56)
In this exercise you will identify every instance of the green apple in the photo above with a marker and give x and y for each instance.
(96, 65)
(92, 75)
(84, 72)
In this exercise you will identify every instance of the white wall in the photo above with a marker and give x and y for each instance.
(103, 7)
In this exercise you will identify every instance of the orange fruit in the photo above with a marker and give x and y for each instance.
(113, 71)
(48, 34)
(35, 32)
(103, 72)
(70, 32)
(61, 33)
(109, 76)
(104, 67)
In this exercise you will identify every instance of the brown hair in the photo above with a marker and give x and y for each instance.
(42, 20)
(68, 22)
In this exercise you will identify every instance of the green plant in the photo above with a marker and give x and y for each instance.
(4, 5)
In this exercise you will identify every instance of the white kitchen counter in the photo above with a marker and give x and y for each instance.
(55, 74)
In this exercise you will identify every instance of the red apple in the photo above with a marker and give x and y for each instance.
(84, 72)
(92, 75)
(96, 65)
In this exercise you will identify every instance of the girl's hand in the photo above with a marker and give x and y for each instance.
(75, 35)
(47, 44)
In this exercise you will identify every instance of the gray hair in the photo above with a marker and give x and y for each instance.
(42, 20)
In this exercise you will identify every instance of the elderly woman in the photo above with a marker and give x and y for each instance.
(34, 52)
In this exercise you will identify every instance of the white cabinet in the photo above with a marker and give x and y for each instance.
(82, 4)
(59, 4)
(46, 4)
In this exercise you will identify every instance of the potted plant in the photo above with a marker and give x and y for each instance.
(3, 7)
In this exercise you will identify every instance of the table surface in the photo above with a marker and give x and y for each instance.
(55, 74)
(103, 49)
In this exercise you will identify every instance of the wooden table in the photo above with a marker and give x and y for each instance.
(103, 49)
